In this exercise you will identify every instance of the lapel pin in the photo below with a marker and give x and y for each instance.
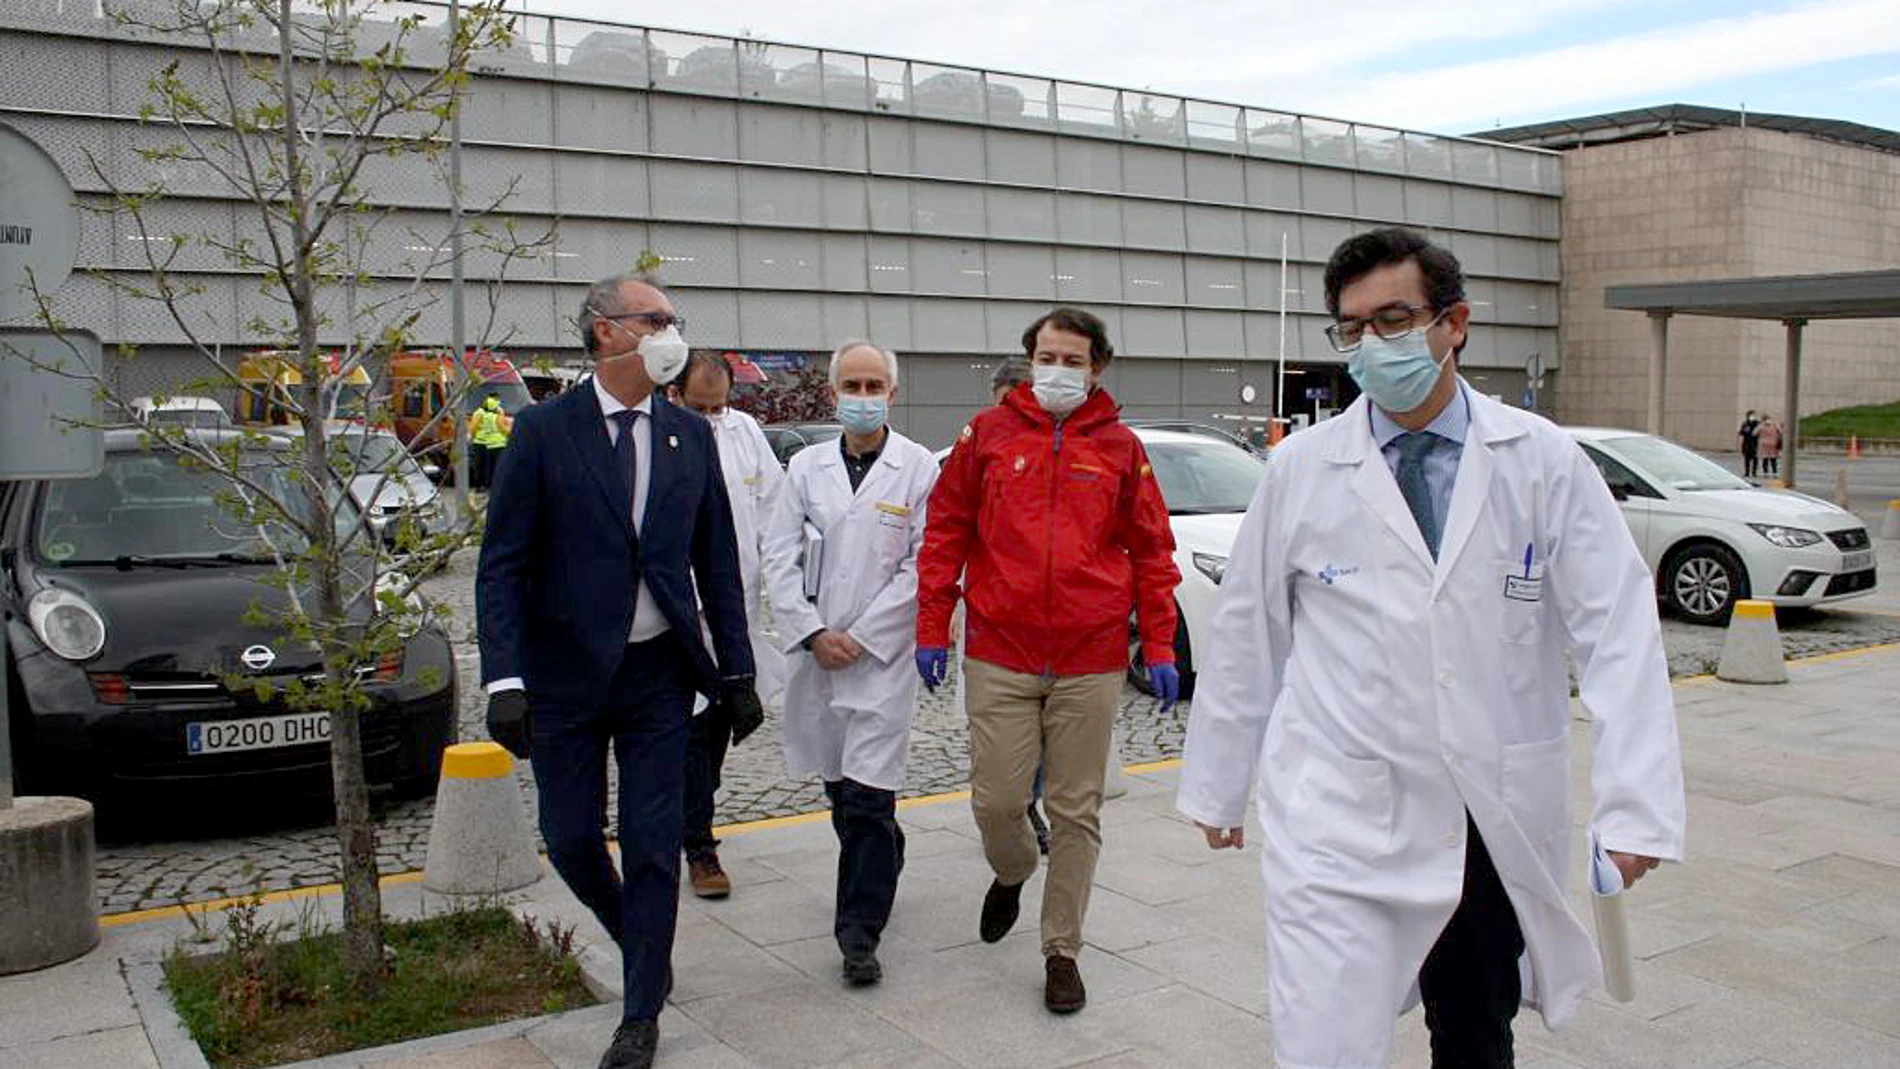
(672, 442)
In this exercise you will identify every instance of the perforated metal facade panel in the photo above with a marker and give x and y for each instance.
(796, 197)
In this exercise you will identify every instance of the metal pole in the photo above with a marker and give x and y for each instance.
(1658, 368)
(1791, 419)
(1279, 390)
(6, 733)
(457, 339)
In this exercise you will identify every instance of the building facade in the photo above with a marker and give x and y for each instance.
(1681, 194)
(799, 197)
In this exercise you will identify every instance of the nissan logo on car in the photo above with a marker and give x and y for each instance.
(258, 658)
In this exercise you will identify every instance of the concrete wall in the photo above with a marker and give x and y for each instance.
(1720, 204)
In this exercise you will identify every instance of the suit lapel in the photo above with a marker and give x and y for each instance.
(596, 452)
(663, 471)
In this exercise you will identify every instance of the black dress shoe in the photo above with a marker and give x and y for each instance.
(1000, 907)
(862, 970)
(633, 1047)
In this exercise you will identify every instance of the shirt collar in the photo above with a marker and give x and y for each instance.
(609, 404)
(1450, 425)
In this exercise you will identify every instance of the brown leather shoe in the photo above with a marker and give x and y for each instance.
(1062, 989)
(1001, 904)
(709, 879)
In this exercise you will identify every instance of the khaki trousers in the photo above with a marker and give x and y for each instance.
(1064, 722)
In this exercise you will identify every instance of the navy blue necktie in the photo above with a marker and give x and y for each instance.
(1414, 447)
(625, 460)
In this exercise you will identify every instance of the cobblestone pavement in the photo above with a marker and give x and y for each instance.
(298, 848)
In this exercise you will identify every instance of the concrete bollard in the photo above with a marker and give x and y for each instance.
(47, 914)
(479, 843)
(1115, 784)
(1841, 496)
(1890, 527)
(1751, 651)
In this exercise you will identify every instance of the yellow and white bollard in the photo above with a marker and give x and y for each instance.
(479, 842)
(1890, 527)
(1751, 652)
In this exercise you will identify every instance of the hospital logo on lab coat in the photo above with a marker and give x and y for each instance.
(1333, 573)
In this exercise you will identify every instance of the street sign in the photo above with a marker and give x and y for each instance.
(49, 405)
(1247, 393)
(39, 227)
(1319, 393)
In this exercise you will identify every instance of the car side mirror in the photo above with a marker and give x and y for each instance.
(1620, 491)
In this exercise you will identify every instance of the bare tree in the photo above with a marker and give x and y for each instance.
(296, 110)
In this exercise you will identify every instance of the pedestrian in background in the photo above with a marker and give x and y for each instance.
(609, 533)
(1048, 525)
(753, 479)
(1389, 667)
(1750, 434)
(841, 567)
(487, 435)
(1768, 444)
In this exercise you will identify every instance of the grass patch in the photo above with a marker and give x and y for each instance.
(269, 999)
(1867, 421)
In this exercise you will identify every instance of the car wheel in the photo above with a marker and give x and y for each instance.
(1138, 665)
(1703, 582)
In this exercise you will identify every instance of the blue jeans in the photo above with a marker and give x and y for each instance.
(643, 718)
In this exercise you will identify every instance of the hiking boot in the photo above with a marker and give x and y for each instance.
(709, 879)
(1000, 907)
(1062, 989)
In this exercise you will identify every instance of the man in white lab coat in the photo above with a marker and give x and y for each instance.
(753, 478)
(1388, 664)
(841, 570)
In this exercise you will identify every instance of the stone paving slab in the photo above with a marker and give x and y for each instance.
(1750, 956)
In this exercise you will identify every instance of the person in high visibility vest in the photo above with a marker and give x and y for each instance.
(487, 436)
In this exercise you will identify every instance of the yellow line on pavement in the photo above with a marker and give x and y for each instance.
(1843, 655)
(217, 905)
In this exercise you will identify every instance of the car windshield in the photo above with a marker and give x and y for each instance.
(211, 418)
(375, 454)
(352, 401)
(1671, 464)
(514, 396)
(148, 505)
(1204, 476)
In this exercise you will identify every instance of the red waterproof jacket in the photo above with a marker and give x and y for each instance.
(1055, 533)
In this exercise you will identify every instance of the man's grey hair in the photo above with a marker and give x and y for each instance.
(603, 299)
(837, 356)
(1011, 372)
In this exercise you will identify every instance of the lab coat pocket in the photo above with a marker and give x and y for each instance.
(893, 532)
(1521, 596)
(1343, 806)
(1536, 792)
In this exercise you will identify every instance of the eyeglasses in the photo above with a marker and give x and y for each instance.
(657, 320)
(1391, 323)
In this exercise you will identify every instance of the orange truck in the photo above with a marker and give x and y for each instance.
(266, 376)
(421, 384)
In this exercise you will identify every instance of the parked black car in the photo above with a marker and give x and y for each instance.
(126, 600)
(790, 439)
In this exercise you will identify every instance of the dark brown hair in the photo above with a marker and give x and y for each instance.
(1074, 321)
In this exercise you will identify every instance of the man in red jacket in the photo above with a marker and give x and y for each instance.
(1047, 521)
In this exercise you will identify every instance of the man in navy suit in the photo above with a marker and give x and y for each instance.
(607, 514)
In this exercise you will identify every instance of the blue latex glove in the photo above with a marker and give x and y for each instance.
(1167, 684)
(933, 663)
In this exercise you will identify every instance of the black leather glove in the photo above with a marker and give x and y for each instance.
(743, 712)
(510, 723)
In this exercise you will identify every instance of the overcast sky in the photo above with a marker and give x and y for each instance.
(1445, 67)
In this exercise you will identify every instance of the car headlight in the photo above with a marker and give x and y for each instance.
(1786, 537)
(66, 623)
(1211, 566)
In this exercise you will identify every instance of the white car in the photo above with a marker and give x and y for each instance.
(1712, 538)
(1207, 484)
(196, 413)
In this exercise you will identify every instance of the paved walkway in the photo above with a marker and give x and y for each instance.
(1778, 945)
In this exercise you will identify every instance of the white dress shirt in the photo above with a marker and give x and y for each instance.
(648, 621)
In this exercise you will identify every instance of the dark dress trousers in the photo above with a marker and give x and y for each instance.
(554, 601)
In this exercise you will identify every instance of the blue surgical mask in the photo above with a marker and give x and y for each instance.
(863, 415)
(1397, 375)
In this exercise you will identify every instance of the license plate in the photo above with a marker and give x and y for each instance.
(258, 733)
(1857, 562)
